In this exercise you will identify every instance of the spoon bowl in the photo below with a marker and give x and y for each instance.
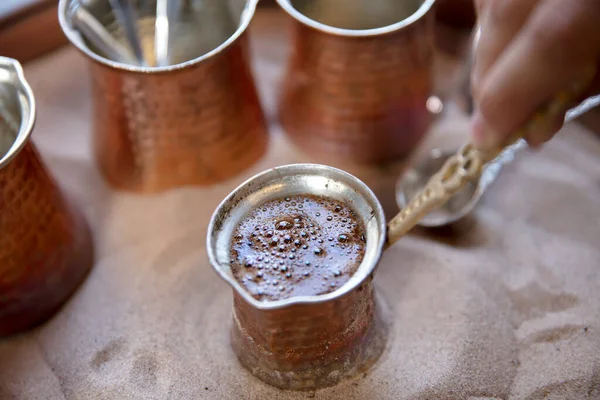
(415, 179)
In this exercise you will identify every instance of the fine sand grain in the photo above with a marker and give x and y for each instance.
(505, 307)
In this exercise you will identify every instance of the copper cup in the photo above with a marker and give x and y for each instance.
(309, 342)
(359, 77)
(174, 99)
(45, 244)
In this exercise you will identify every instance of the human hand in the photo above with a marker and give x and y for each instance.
(528, 51)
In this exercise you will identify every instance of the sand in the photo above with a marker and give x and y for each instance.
(507, 307)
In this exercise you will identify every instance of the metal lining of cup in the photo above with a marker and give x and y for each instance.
(17, 110)
(309, 342)
(357, 14)
(190, 30)
(356, 17)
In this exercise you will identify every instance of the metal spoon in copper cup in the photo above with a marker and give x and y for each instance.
(465, 200)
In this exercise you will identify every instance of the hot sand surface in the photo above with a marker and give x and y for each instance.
(507, 308)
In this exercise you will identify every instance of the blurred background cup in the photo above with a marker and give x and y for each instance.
(359, 77)
(173, 95)
(45, 244)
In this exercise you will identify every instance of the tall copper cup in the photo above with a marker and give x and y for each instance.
(175, 112)
(359, 77)
(45, 244)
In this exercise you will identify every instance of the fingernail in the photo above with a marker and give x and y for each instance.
(483, 137)
(536, 137)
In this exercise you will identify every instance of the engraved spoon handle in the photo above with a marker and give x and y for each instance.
(167, 13)
(469, 163)
(91, 29)
(126, 16)
(492, 169)
(162, 29)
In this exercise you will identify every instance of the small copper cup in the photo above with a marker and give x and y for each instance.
(359, 77)
(174, 99)
(309, 342)
(45, 244)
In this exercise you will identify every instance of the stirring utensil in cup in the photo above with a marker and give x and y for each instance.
(130, 49)
(82, 21)
(126, 16)
(466, 199)
(459, 205)
(469, 164)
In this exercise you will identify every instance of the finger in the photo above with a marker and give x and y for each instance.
(544, 131)
(594, 87)
(500, 21)
(547, 56)
(480, 7)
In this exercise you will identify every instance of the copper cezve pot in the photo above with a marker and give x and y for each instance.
(304, 343)
(174, 101)
(358, 78)
(45, 244)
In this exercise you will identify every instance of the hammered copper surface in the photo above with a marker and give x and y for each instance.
(308, 346)
(45, 245)
(358, 98)
(197, 125)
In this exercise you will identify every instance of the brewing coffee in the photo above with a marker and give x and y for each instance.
(297, 246)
